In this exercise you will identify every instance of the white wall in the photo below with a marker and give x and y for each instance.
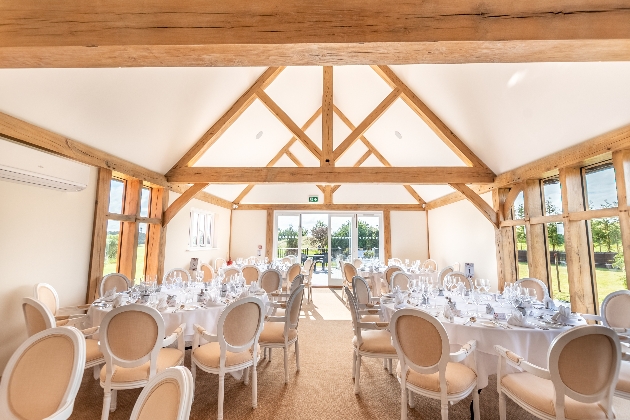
(409, 235)
(177, 254)
(249, 229)
(459, 233)
(45, 236)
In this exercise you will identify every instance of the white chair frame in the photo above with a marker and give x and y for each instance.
(357, 263)
(67, 402)
(459, 275)
(251, 266)
(232, 270)
(287, 260)
(347, 281)
(186, 391)
(363, 294)
(296, 267)
(307, 272)
(394, 282)
(103, 280)
(110, 389)
(602, 312)
(389, 273)
(200, 333)
(218, 263)
(210, 268)
(443, 273)
(469, 349)
(56, 310)
(539, 282)
(553, 374)
(278, 273)
(430, 265)
(185, 277)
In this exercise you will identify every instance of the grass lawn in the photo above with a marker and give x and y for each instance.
(608, 281)
(110, 265)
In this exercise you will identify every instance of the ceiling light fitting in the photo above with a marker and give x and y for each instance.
(397, 134)
(259, 135)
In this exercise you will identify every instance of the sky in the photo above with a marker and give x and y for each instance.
(117, 189)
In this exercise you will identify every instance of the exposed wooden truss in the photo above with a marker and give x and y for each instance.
(331, 207)
(181, 201)
(481, 205)
(200, 33)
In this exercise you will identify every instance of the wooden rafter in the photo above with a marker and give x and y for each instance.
(328, 32)
(509, 199)
(481, 205)
(327, 158)
(181, 201)
(439, 128)
(232, 114)
(333, 175)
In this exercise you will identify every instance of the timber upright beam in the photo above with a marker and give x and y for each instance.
(269, 238)
(537, 256)
(129, 230)
(621, 162)
(582, 289)
(156, 243)
(387, 230)
(504, 242)
(99, 232)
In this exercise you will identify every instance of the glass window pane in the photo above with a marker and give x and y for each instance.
(201, 233)
(608, 253)
(193, 229)
(518, 208)
(553, 196)
(116, 195)
(141, 252)
(520, 234)
(288, 235)
(369, 244)
(209, 239)
(601, 187)
(111, 247)
(558, 262)
(145, 199)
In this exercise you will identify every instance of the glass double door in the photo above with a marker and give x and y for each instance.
(329, 239)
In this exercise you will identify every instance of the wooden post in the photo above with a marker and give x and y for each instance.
(537, 255)
(621, 162)
(387, 231)
(582, 288)
(156, 239)
(99, 232)
(327, 158)
(269, 238)
(129, 230)
(504, 243)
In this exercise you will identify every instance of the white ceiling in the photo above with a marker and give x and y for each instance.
(508, 114)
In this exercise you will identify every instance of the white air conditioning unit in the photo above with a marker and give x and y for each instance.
(25, 165)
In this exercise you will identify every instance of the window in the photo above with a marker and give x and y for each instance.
(141, 251)
(112, 247)
(559, 278)
(201, 229)
(520, 237)
(116, 196)
(145, 199)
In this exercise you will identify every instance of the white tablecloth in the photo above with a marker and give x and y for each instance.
(532, 344)
(376, 279)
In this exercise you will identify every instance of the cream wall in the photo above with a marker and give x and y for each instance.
(249, 229)
(459, 233)
(45, 236)
(177, 254)
(409, 235)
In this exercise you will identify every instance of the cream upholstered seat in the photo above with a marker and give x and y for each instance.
(387, 277)
(579, 383)
(429, 265)
(614, 312)
(219, 263)
(271, 280)
(131, 340)
(443, 273)
(531, 283)
(229, 272)
(111, 281)
(348, 272)
(365, 301)
(208, 272)
(370, 340)
(42, 377)
(47, 294)
(459, 277)
(307, 272)
(250, 273)
(38, 318)
(183, 273)
(399, 279)
(235, 347)
(168, 396)
(427, 366)
(281, 331)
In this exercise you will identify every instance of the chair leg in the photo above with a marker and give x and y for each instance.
(297, 355)
(254, 387)
(193, 370)
(96, 371)
(357, 377)
(502, 408)
(476, 410)
(286, 365)
(246, 376)
(354, 364)
(389, 366)
(107, 400)
(403, 399)
(412, 400)
(112, 407)
(270, 353)
(221, 391)
(444, 410)
(384, 363)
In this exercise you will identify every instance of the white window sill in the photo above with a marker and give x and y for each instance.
(204, 248)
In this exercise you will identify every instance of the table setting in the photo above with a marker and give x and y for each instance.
(374, 270)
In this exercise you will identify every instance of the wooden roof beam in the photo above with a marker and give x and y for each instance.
(181, 201)
(481, 205)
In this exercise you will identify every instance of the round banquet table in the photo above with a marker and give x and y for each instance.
(530, 343)
(207, 317)
(376, 280)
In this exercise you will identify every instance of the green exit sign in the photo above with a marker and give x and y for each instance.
(313, 198)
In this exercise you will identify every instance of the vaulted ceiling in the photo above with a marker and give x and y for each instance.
(507, 114)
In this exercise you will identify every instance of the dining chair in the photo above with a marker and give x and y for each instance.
(531, 283)
(349, 271)
(234, 348)
(208, 272)
(401, 280)
(307, 265)
(132, 340)
(183, 273)
(459, 277)
(271, 280)
(426, 365)
(167, 396)
(622, 389)
(292, 273)
(47, 294)
(287, 260)
(371, 339)
(42, 378)
(614, 311)
(280, 298)
(396, 261)
(219, 263)
(429, 265)
(387, 276)
(357, 262)
(250, 273)
(117, 280)
(307, 272)
(443, 273)
(365, 301)
(229, 272)
(282, 331)
(579, 383)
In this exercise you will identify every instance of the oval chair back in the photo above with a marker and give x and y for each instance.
(286, 260)
(443, 273)
(584, 365)
(541, 288)
(308, 264)
(36, 316)
(294, 306)
(271, 280)
(293, 271)
(117, 280)
(168, 396)
(400, 279)
(47, 295)
(297, 282)
(459, 277)
(349, 272)
(357, 263)
(239, 327)
(229, 272)
(396, 261)
(42, 378)
(353, 305)
(250, 273)
(429, 265)
(389, 272)
(615, 309)
(218, 263)
(184, 274)
(208, 272)
(361, 290)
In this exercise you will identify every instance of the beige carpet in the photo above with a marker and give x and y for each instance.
(323, 389)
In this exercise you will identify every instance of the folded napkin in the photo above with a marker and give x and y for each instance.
(448, 313)
(110, 295)
(549, 303)
(563, 315)
(253, 288)
(118, 300)
(402, 305)
(519, 320)
(162, 303)
(489, 309)
(398, 296)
